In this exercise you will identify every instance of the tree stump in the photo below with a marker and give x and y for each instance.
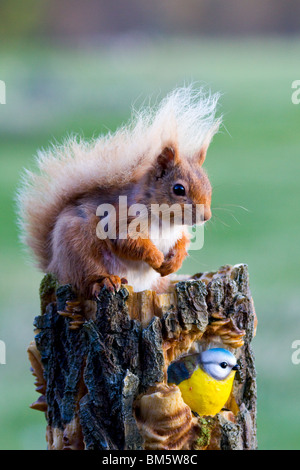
(100, 366)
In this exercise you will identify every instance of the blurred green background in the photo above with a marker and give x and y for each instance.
(69, 68)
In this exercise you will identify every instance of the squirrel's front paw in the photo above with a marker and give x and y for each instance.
(155, 259)
(167, 267)
(171, 264)
(112, 284)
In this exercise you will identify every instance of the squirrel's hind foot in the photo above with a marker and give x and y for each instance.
(112, 284)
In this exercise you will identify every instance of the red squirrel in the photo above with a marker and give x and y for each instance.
(156, 159)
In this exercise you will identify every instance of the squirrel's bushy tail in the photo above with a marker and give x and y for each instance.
(185, 119)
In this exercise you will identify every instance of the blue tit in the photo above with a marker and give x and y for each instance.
(205, 379)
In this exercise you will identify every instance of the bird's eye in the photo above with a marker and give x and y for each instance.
(179, 189)
(223, 365)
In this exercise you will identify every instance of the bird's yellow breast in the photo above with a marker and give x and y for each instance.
(205, 395)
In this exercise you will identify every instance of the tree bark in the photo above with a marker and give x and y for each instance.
(100, 366)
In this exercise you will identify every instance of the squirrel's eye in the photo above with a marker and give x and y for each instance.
(223, 365)
(179, 190)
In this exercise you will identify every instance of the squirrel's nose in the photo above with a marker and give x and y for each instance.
(207, 214)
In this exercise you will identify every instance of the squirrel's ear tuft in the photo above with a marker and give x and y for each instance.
(202, 154)
(167, 157)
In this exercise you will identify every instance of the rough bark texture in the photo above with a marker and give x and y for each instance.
(101, 365)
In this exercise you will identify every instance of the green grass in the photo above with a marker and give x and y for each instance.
(253, 164)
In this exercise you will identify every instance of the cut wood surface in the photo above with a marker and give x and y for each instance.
(100, 366)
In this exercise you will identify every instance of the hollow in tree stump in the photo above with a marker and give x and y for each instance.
(100, 366)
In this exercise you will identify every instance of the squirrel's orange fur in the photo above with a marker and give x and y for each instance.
(143, 161)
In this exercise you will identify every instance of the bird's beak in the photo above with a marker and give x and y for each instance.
(236, 367)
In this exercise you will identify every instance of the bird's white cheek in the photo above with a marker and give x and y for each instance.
(216, 371)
